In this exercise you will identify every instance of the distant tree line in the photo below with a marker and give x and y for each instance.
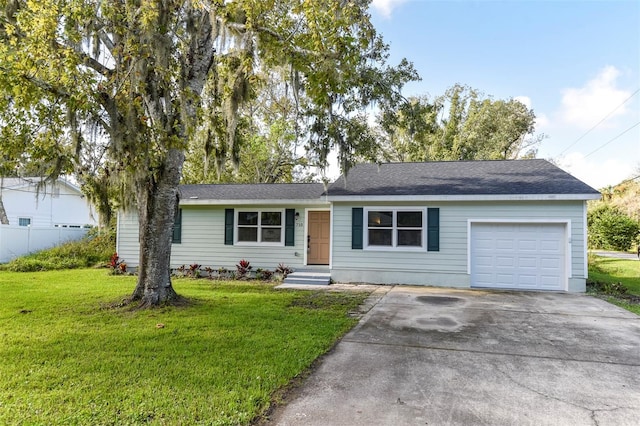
(614, 221)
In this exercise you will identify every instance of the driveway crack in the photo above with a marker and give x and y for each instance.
(592, 411)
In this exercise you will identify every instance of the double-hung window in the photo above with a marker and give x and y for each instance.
(260, 226)
(395, 228)
(24, 221)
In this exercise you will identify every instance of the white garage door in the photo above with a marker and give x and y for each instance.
(518, 256)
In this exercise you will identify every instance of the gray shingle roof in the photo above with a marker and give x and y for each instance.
(259, 191)
(497, 177)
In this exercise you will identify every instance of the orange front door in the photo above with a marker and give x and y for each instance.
(318, 239)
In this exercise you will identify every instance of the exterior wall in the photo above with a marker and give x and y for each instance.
(203, 241)
(61, 206)
(448, 266)
(17, 240)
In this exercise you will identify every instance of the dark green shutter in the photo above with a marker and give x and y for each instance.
(290, 227)
(228, 227)
(356, 228)
(433, 229)
(176, 238)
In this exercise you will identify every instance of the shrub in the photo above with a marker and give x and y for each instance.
(117, 265)
(610, 229)
(194, 270)
(96, 248)
(209, 272)
(180, 271)
(615, 288)
(264, 274)
(242, 269)
(283, 270)
(224, 273)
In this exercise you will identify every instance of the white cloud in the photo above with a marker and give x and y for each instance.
(385, 7)
(597, 173)
(586, 106)
(542, 120)
(524, 100)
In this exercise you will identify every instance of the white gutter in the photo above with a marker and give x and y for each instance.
(488, 197)
(244, 202)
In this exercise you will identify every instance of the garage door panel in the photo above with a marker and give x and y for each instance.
(528, 245)
(484, 261)
(505, 261)
(527, 262)
(550, 263)
(484, 278)
(504, 244)
(549, 282)
(526, 256)
(504, 279)
(484, 244)
(527, 280)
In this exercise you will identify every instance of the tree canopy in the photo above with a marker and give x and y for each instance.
(115, 91)
(462, 124)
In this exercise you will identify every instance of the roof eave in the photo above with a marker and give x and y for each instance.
(475, 197)
(32, 181)
(265, 202)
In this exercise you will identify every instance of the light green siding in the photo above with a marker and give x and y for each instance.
(127, 238)
(448, 267)
(203, 241)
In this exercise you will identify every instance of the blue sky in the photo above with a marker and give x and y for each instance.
(573, 62)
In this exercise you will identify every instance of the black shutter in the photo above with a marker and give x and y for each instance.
(176, 238)
(290, 227)
(228, 227)
(356, 228)
(433, 229)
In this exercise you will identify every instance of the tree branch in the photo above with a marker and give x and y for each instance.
(279, 37)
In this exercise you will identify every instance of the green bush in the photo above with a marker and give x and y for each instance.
(94, 249)
(610, 229)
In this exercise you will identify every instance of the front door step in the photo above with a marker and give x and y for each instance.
(311, 278)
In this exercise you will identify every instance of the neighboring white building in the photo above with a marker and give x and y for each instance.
(58, 204)
(41, 216)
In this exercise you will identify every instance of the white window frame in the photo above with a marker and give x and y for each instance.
(236, 226)
(25, 218)
(394, 229)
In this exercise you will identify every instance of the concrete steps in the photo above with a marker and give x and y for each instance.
(308, 277)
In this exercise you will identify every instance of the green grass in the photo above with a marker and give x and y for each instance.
(610, 270)
(631, 307)
(96, 248)
(70, 358)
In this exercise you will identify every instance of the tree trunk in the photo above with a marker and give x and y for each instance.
(157, 204)
(3, 214)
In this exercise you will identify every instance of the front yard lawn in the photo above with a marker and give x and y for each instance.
(69, 357)
(608, 272)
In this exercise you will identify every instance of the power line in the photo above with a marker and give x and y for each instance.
(611, 140)
(600, 122)
(629, 180)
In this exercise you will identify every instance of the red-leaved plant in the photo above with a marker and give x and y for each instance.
(117, 265)
(242, 269)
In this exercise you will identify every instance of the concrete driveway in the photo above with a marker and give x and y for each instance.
(616, 254)
(427, 356)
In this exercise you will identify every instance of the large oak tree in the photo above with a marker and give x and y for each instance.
(114, 91)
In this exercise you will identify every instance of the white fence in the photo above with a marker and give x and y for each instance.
(16, 240)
